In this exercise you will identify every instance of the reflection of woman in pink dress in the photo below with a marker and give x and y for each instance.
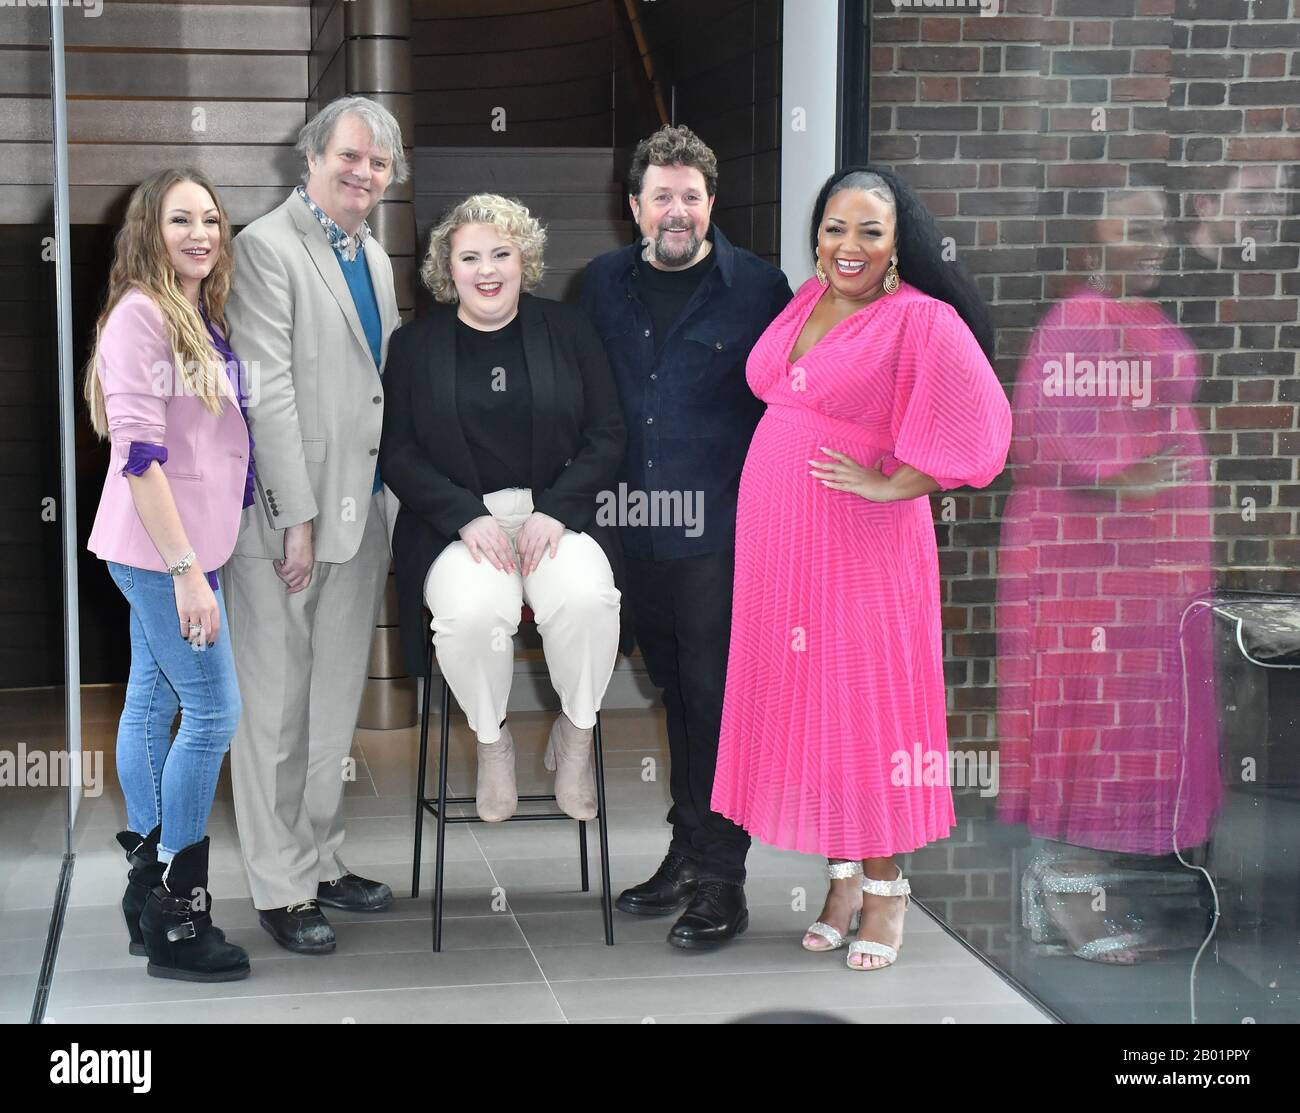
(1106, 541)
(835, 678)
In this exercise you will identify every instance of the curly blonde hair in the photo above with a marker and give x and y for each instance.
(508, 217)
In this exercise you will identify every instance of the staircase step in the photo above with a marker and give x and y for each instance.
(561, 285)
(581, 243)
(500, 170)
(606, 205)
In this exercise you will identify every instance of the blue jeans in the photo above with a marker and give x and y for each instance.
(172, 782)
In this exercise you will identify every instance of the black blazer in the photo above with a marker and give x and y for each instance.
(578, 444)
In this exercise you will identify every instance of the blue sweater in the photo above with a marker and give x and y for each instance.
(357, 276)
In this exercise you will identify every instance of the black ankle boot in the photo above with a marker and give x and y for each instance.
(180, 941)
(142, 855)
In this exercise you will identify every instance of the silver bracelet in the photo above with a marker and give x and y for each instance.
(183, 565)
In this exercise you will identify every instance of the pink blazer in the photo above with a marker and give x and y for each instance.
(207, 455)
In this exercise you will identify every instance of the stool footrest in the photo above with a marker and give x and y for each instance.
(511, 819)
(470, 800)
(437, 807)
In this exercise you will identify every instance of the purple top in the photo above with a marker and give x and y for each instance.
(143, 453)
(236, 381)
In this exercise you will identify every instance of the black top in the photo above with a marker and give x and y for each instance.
(665, 294)
(494, 401)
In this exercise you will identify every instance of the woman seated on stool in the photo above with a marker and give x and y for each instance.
(502, 425)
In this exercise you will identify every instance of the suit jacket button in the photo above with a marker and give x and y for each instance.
(718, 345)
(377, 399)
(374, 452)
(275, 513)
(568, 462)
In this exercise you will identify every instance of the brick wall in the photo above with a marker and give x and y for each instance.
(1013, 127)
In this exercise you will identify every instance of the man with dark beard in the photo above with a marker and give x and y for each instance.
(678, 313)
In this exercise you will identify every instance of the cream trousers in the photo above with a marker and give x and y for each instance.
(476, 610)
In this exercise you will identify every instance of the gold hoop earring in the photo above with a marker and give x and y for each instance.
(892, 279)
(821, 272)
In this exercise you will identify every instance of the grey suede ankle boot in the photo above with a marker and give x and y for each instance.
(495, 794)
(568, 753)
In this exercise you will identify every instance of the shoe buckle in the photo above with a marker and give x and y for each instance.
(176, 906)
(182, 932)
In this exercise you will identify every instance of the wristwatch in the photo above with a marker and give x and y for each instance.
(183, 565)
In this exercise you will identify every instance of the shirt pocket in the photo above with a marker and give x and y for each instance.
(617, 331)
(712, 354)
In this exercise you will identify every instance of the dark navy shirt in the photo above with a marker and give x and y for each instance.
(690, 413)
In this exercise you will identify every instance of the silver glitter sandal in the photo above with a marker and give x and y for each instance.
(836, 939)
(899, 887)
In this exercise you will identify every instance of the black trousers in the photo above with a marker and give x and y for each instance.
(681, 612)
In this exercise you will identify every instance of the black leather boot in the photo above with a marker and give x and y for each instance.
(142, 854)
(716, 913)
(671, 886)
(178, 938)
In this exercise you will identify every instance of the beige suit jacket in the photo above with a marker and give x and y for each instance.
(317, 403)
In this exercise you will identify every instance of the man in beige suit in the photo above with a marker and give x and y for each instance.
(310, 310)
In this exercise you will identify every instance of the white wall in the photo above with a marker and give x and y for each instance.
(809, 51)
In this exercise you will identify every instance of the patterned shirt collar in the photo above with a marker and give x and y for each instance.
(340, 241)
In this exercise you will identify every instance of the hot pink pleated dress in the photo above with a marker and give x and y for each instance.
(835, 707)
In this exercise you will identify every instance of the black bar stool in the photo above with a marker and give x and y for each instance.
(437, 807)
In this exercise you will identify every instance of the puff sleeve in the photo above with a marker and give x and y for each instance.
(951, 418)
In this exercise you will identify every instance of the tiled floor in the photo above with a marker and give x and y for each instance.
(521, 941)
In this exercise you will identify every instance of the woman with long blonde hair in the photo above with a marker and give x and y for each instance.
(164, 387)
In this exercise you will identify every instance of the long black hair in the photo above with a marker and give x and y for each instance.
(920, 251)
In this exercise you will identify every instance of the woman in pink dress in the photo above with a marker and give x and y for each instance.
(879, 391)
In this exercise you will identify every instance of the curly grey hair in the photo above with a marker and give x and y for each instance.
(385, 132)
